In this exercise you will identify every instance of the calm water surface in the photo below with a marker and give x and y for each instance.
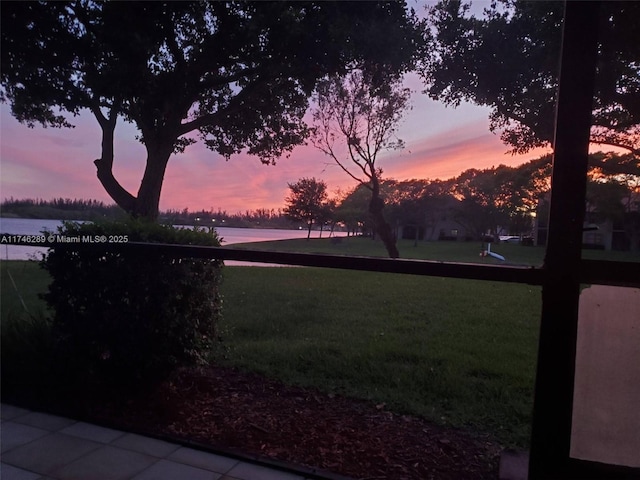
(27, 226)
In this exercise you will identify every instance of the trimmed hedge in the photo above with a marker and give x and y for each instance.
(127, 319)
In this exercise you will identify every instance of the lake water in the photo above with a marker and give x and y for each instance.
(27, 226)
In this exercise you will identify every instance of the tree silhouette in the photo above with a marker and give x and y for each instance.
(355, 120)
(508, 60)
(237, 75)
(307, 202)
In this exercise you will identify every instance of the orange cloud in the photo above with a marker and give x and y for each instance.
(447, 154)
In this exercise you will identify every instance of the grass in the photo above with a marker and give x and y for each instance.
(22, 282)
(468, 252)
(442, 251)
(459, 352)
(24, 327)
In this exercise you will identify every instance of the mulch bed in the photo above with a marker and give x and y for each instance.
(227, 409)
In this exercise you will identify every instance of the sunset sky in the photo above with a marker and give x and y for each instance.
(50, 163)
(46, 163)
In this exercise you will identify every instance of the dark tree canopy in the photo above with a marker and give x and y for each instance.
(353, 210)
(503, 199)
(237, 75)
(508, 59)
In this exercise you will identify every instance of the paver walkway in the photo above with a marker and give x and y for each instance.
(47, 447)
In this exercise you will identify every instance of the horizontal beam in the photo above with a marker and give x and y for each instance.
(591, 271)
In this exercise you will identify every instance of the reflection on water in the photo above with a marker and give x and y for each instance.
(25, 226)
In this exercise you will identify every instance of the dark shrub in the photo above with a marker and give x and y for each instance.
(125, 318)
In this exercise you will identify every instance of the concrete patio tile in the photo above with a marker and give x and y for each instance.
(16, 434)
(167, 470)
(7, 412)
(207, 461)
(249, 471)
(9, 472)
(49, 453)
(106, 463)
(45, 421)
(150, 446)
(92, 432)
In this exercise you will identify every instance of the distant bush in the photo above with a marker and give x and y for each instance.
(127, 319)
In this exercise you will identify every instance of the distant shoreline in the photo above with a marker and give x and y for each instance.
(93, 210)
(257, 227)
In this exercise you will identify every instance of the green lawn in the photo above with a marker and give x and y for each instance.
(468, 252)
(25, 329)
(459, 352)
(21, 281)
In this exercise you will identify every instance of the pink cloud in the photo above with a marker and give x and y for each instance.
(447, 154)
(47, 163)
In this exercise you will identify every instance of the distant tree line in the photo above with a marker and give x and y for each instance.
(81, 209)
(258, 218)
(480, 202)
(59, 209)
(493, 201)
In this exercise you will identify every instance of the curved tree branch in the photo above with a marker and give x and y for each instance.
(104, 164)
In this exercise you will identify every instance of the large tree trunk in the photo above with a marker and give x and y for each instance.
(147, 203)
(381, 226)
(148, 200)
